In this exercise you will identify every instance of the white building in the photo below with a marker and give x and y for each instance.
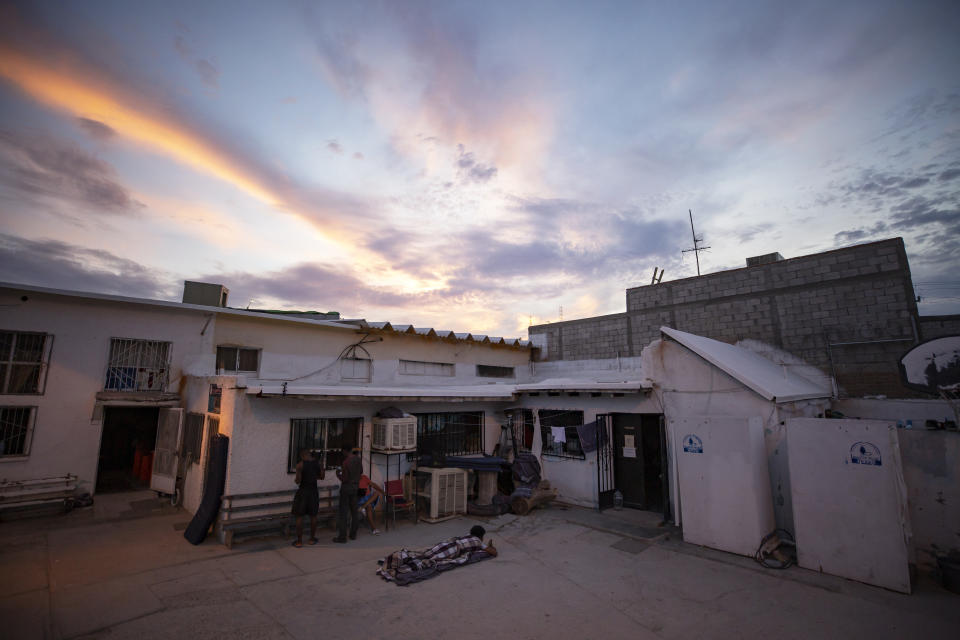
(88, 377)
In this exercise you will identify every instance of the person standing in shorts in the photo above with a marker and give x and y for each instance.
(349, 474)
(306, 502)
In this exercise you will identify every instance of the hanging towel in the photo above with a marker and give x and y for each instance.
(588, 436)
(559, 434)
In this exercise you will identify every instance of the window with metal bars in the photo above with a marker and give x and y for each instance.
(238, 359)
(559, 435)
(213, 429)
(325, 436)
(450, 434)
(522, 424)
(137, 365)
(193, 437)
(22, 360)
(16, 428)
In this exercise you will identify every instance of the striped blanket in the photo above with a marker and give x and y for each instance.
(405, 566)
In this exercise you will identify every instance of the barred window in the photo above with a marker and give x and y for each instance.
(325, 436)
(450, 434)
(22, 360)
(238, 359)
(559, 435)
(213, 429)
(193, 437)
(16, 429)
(137, 365)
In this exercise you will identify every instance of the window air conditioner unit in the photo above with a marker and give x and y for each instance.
(395, 434)
(445, 491)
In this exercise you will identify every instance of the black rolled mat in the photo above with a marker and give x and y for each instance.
(196, 531)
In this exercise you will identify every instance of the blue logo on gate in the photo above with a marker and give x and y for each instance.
(865, 453)
(692, 443)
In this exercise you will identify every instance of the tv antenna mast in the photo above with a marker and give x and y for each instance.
(696, 243)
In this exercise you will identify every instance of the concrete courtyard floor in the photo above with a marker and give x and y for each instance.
(562, 573)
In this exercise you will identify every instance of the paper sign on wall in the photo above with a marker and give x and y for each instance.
(629, 452)
(628, 442)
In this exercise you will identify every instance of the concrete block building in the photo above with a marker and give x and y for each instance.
(851, 312)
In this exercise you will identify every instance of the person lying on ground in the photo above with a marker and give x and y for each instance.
(306, 502)
(405, 566)
(373, 499)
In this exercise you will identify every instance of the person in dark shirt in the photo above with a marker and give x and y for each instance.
(349, 474)
(306, 502)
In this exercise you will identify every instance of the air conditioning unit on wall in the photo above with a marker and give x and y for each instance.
(395, 434)
(445, 491)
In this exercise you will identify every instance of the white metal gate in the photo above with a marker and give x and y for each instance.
(169, 426)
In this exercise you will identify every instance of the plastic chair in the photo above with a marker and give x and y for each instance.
(397, 500)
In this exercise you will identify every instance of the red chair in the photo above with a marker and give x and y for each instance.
(398, 501)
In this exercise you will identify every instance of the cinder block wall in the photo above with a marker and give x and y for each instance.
(938, 326)
(861, 294)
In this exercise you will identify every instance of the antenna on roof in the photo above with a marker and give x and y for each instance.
(656, 279)
(696, 243)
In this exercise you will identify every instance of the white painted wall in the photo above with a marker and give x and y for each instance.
(306, 355)
(65, 438)
(851, 517)
(261, 436)
(576, 479)
(931, 469)
(690, 386)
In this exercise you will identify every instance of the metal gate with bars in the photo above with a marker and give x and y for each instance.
(606, 485)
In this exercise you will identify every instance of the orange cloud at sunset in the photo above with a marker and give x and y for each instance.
(85, 97)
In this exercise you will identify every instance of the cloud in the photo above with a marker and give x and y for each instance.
(208, 73)
(62, 82)
(39, 166)
(49, 263)
(335, 146)
(470, 169)
(357, 155)
(421, 73)
(96, 129)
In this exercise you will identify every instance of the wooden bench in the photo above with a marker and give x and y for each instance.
(256, 515)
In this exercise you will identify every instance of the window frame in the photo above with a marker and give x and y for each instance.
(410, 364)
(423, 436)
(548, 447)
(258, 351)
(163, 371)
(346, 378)
(28, 435)
(495, 371)
(8, 362)
(323, 424)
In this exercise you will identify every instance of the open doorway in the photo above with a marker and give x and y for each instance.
(639, 460)
(129, 437)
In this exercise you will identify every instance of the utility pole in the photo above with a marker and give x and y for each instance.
(696, 243)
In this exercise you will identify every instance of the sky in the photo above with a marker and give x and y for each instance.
(470, 166)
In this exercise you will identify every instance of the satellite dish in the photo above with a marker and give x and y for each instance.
(932, 366)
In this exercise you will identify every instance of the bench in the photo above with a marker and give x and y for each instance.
(256, 515)
(19, 498)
